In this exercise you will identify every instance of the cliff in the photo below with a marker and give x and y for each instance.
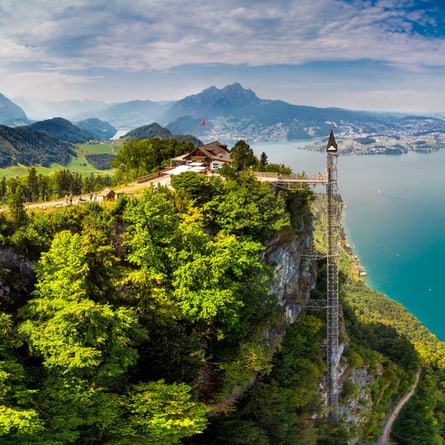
(377, 364)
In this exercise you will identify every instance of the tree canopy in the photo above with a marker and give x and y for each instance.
(154, 320)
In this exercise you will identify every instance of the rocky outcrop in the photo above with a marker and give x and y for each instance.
(16, 279)
(293, 275)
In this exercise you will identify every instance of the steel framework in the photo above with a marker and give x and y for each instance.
(332, 278)
(295, 183)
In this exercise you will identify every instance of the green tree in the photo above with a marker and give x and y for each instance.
(18, 418)
(32, 182)
(16, 207)
(158, 414)
(242, 156)
(150, 238)
(263, 160)
(3, 187)
(248, 207)
(67, 328)
(44, 189)
(208, 282)
(196, 185)
(140, 157)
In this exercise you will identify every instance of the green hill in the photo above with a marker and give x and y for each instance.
(63, 129)
(154, 130)
(27, 146)
(100, 129)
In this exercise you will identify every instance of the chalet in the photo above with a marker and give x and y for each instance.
(212, 156)
(108, 195)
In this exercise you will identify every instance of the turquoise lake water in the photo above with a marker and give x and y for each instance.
(395, 221)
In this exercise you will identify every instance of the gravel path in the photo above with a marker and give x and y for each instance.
(387, 430)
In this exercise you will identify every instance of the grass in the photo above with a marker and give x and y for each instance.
(96, 149)
(78, 164)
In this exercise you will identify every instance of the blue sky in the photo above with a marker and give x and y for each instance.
(386, 55)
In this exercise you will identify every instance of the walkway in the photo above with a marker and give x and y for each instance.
(388, 426)
(289, 179)
(135, 187)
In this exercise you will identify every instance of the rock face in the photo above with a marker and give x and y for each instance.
(294, 277)
(16, 279)
(293, 273)
(290, 270)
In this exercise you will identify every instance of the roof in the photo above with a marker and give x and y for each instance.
(187, 168)
(216, 151)
(178, 170)
(107, 192)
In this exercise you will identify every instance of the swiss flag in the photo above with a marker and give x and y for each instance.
(202, 123)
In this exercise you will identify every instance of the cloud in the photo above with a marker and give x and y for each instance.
(70, 43)
(158, 34)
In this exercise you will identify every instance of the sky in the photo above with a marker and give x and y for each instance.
(379, 55)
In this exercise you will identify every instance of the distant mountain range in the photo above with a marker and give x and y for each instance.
(234, 113)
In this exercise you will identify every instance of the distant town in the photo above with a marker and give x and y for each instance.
(391, 145)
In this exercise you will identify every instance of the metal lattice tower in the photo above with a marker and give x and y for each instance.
(332, 278)
(294, 183)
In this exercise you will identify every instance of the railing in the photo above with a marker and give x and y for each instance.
(146, 178)
(273, 176)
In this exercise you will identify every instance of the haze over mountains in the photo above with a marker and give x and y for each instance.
(233, 113)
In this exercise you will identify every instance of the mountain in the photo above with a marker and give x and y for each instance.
(233, 113)
(27, 146)
(62, 129)
(133, 114)
(231, 100)
(101, 130)
(10, 113)
(73, 110)
(154, 130)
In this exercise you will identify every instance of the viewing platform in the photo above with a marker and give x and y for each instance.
(292, 180)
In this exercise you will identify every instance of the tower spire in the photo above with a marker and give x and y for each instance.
(332, 145)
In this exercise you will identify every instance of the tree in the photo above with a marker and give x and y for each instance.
(263, 160)
(248, 207)
(157, 413)
(140, 157)
(3, 188)
(18, 418)
(208, 282)
(150, 239)
(242, 156)
(67, 328)
(16, 207)
(196, 185)
(32, 182)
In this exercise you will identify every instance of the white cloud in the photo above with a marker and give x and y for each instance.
(162, 34)
(58, 43)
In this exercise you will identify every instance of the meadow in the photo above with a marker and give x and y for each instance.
(79, 164)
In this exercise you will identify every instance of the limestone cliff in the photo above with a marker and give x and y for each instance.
(293, 275)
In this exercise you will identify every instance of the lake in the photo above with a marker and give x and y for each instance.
(395, 220)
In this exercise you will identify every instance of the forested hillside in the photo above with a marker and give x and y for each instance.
(24, 145)
(154, 130)
(101, 130)
(184, 315)
(63, 130)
